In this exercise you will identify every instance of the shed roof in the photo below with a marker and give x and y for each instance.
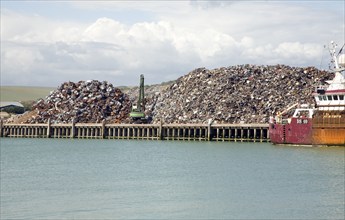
(7, 104)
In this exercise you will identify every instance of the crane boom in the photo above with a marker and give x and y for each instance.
(138, 111)
(141, 100)
(288, 109)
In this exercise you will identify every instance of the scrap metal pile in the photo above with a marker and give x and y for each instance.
(86, 101)
(237, 94)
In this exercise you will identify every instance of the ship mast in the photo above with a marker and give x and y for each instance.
(338, 82)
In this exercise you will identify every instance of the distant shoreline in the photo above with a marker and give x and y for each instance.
(23, 93)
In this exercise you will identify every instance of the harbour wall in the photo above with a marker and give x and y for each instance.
(193, 132)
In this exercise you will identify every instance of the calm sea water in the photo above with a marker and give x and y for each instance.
(112, 179)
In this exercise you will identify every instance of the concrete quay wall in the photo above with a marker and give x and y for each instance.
(193, 132)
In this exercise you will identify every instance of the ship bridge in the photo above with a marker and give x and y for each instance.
(332, 96)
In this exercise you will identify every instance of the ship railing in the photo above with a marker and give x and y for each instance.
(329, 116)
(338, 105)
(331, 107)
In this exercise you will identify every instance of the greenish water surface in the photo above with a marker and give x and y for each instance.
(115, 179)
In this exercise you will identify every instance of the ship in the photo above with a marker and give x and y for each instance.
(322, 124)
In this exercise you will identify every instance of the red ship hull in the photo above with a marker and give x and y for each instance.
(325, 128)
(298, 132)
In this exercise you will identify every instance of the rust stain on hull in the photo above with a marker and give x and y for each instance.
(329, 128)
(325, 128)
(329, 136)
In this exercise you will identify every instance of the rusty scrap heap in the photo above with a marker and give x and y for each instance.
(85, 101)
(243, 93)
(235, 94)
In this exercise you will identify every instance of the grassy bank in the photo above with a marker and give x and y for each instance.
(23, 93)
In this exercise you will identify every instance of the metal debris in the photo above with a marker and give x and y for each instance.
(237, 94)
(86, 101)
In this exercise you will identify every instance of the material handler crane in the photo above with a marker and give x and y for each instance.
(138, 110)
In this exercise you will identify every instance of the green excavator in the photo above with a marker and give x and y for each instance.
(137, 114)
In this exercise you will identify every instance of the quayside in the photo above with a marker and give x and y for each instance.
(197, 132)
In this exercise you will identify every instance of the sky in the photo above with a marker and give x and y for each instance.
(47, 43)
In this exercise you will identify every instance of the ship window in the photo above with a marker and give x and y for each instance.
(341, 97)
(335, 97)
(324, 98)
(320, 98)
(329, 97)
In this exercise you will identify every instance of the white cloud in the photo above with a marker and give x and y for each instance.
(104, 30)
(182, 37)
(289, 50)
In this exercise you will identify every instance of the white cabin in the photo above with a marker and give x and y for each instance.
(332, 96)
